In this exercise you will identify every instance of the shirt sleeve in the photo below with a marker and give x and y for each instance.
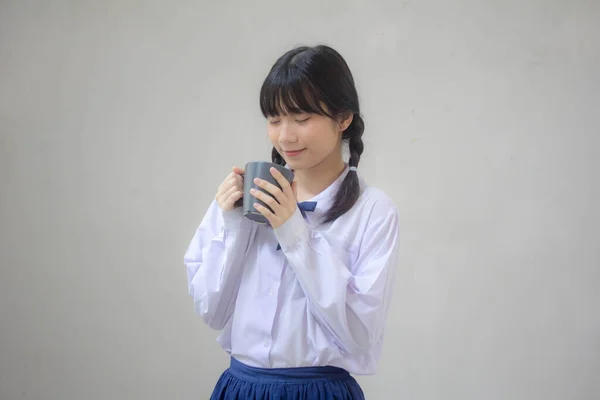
(351, 306)
(214, 261)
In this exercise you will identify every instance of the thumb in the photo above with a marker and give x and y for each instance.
(238, 170)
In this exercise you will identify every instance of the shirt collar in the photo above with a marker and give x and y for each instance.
(325, 198)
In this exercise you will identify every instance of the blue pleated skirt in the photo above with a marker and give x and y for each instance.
(243, 382)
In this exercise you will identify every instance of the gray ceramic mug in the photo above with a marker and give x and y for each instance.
(260, 169)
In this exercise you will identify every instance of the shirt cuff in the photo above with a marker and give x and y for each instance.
(292, 232)
(232, 219)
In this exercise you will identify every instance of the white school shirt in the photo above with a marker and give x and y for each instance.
(321, 299)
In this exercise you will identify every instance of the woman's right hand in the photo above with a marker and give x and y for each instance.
(231, 190)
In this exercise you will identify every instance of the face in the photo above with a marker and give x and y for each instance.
(306, 140)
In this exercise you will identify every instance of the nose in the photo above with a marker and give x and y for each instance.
(287, 133)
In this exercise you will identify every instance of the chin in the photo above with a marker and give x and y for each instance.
(291, 163)
(295, 165)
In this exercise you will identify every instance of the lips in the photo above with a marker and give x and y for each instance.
(293, 153)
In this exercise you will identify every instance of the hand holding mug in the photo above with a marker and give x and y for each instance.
(265, 185)
(231, 190)
(280, 200)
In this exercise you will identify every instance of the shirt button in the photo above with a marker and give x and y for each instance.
(266, 342)
(271, 292)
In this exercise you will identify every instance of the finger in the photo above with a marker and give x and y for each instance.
(284, 183)
(224, 196)
(232, 180)
(265, 198)
(233, 198)
(239, 181)
(231, 191)
(226, 181)
(269, 187)
(238, 170)
(272, 218)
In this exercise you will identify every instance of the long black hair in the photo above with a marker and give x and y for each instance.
(304, 80)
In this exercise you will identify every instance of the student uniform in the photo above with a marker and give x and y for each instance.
(299, 307)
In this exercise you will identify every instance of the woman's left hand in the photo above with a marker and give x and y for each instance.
(283, 203)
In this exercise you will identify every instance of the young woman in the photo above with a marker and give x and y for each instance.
(301, 302)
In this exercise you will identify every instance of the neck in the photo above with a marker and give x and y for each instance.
(312, 181)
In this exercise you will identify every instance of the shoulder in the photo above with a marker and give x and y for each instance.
(376, 200)
(373, 211)
(380, 228)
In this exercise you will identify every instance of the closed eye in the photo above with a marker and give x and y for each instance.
(302, 120)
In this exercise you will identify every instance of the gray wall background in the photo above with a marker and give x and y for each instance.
(118, 120)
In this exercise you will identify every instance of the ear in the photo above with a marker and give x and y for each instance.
(345, 120)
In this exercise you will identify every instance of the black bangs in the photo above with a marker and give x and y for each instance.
(286, 91)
